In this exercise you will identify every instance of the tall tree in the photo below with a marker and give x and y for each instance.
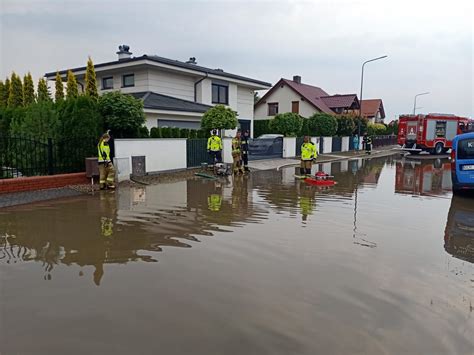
(15, 99)
(6, 92)
(43, 91)
(91, 80)
(28, 90)
(2, 95)
(59, 95)
(71, 86)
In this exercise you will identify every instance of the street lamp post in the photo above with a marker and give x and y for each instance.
(414, 104)
(361, 86)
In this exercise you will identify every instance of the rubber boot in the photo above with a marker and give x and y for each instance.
(308, 172)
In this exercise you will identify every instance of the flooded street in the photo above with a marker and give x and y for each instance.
(382, 263)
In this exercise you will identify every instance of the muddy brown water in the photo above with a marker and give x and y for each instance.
(380, 264)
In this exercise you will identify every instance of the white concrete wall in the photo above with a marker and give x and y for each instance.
(345, 144)
(245, 102)
(289, 147)
(171, 84)
(204, 92)
(284, 96)
(152, 118)
(315, 141)
(233, 96)
(227, 150)
(327, 145)
(161, 154)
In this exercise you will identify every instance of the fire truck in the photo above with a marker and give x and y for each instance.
(431, 133)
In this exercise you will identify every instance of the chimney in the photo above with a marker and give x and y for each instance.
(192, 60)
(124, 52)
(297, 79)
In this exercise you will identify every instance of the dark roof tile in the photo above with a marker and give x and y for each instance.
(152, 100)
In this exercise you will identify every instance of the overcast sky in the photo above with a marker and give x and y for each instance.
(429, 42)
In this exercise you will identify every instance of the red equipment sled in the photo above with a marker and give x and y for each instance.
(321, 179)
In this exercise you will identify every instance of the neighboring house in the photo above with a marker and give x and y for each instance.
(175, 93)
(306, 100)
(373, 110)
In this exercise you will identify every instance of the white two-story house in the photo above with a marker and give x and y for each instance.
(174, 93)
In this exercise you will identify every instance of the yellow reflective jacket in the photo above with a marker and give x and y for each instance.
(103, 150)
(308, 151)
(214, 202)
(235, 146)
(214, 143)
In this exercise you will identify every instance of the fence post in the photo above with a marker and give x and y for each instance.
(50, 157)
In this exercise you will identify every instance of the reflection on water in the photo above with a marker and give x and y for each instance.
(252, 265)
(427, 178)
(459, 233)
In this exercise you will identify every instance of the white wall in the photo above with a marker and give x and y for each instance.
(227, 150)
(152, 118)
(171, 84)
(327, 145)
(161, 154)
(141, 80)
(245, 102)
(204, 92)
(284, 96)
(289, 147)
(345, 144)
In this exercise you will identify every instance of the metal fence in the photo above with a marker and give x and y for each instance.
(196, 152)
(379, 141)
(24, 156)
(265, 148)
(299, 143)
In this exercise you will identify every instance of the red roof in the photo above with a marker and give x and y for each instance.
(341, 101)
(316, 96)
(371, 107)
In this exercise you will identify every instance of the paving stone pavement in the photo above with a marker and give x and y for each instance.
(20, 198)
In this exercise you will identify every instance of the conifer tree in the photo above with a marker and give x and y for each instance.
(71, 86)
(15, 98)
(3, 103)
(6, 92)
(91, 80)
(43, 91)
(28, 90)
(59, 95)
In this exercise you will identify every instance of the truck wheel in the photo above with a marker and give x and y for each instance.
(438, 148)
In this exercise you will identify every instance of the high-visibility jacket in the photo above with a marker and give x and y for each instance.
(308, 151)
(214, 202)
(103, 149)
(214, 143)
(236, 145)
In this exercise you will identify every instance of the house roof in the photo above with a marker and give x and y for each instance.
(152, 100)
(316, 96)
(370, 108)
(341, 101)
(172, 62)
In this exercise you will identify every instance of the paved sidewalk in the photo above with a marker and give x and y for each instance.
(21, 198)
(269, 164)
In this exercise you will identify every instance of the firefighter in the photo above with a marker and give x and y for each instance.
(367, 143)
(214, 147)
(237, 154)
(308, 153)
(245, 150)
(106, 168)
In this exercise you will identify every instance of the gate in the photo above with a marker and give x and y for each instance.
(266, 147)
(299, 143)
(196, 152)
(336, 144)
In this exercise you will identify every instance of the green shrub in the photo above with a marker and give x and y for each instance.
(305, 128)
(363, 125)
(323, 124)
(219, 117)
(143, 132)
(166, 132)
(37, 120)
(175, 132)
(345, 125)
(193, 133)
(155, 132)
(184, 133)
(289, 124)
(79, 117)
(262, 127)
(376, 129)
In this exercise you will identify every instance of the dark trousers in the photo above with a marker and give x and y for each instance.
(245, 159)
(216, 156)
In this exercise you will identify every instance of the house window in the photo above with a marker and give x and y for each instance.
(107, 83)
(128, 80)
(220, 94)
(295, 106)
(273, 109)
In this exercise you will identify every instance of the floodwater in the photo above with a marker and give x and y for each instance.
(383, 263)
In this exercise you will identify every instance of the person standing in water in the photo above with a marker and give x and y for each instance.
(106, 168)
(308, 153)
